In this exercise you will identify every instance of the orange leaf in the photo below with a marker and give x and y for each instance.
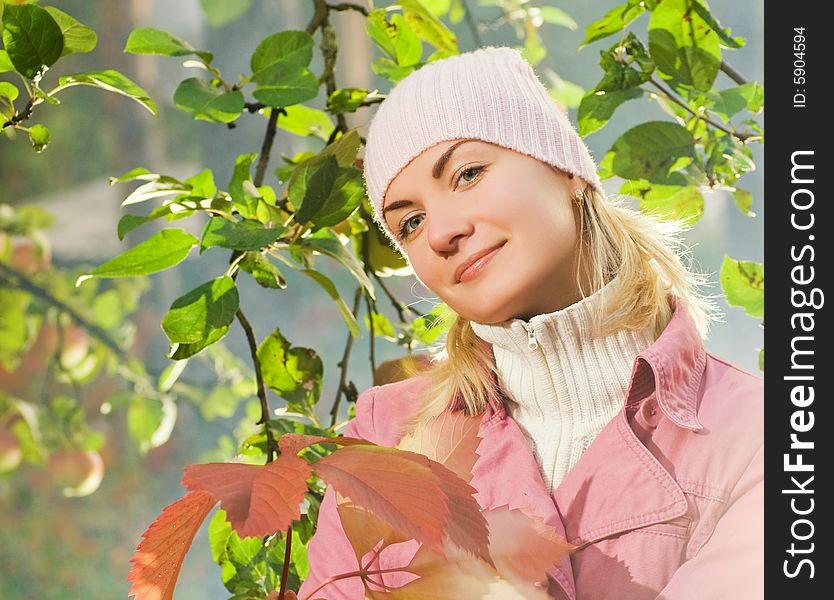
(397, 486)
(258, 500)
(159, 556)
(523, 546)
(293, 443)
(450, 438)
(364, 530)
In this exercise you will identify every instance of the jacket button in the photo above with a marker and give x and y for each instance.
(650, 412)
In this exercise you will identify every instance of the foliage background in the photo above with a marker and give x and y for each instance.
(55, 545)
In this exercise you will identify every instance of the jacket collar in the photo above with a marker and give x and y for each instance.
(671, 367)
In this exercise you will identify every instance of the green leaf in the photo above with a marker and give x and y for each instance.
(39, 137)
(262, 270)
(161, 186)
(134, 174)
(222, 12)
(673, 202)
(5, 62)
(240, 235)
(205, 102)
(614, 20)
(597, 107)
(346, 100)
(428, 328)
(13, 326)
(725, 35)
(147, 40)
(389, 69)
(743, 285)
(344, 149)
(328, 286)
(325, 242)
(150, 421)
(8, 91)
(323, 192)
(292, 47)
(761, 359)
(242, 189)
(78, 38)
(305, 120)
(111, 81)
(294, 373)
(207, 308)
(382, 326)
(683, 46)
(554, 16)
(754, 94)
(376, 25)
(202, 184)
(219, 532)
(32, 39)
(183, 351)
(651, 150)
(161, 251)
(285, 83)
(564, 92)
(427, 26)
(744, 201)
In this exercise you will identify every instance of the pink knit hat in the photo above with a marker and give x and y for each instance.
(491, 94)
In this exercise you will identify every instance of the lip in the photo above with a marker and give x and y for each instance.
(482, 258)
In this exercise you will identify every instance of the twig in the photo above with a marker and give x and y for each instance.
(266, 146)
(366, 265)
(285, 571)
(319, 16)
(253, 350)
(19, 117)
(340, 576)
(732, 73)
(742, 137)
(470, 20)
(348, 6)
(14, 278)
(343, 364)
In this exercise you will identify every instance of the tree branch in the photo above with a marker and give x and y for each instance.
(266, 146)
(265, 413)
(470, 21)
(348, 6)
(285, 571)
(16, 279)
(732, 73)
(19, 117)
(343, 364)
(742, 137)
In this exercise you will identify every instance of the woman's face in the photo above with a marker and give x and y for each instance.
(491, 231)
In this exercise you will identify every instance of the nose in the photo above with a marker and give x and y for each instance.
(446, 228)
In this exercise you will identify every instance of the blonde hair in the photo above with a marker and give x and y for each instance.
(650, 260)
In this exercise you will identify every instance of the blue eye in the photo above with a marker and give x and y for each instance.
(477, 171)
(405, 230)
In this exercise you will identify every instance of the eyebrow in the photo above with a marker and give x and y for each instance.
(436, 172)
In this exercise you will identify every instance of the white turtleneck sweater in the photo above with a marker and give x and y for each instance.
(562, 386)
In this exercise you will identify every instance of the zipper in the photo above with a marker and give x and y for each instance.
(532, 343)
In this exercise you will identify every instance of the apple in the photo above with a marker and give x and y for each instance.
(10, 453)
(75, 347)
(76, 472)
(29, 256)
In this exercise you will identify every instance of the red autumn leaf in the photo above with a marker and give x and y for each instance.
(399, 487)
(258, 500)
(450, 438)
(293, 443)
(364, 530)
(159, 556)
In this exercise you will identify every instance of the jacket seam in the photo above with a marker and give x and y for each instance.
(702, 490)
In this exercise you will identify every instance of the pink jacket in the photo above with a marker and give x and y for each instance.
(666, 503)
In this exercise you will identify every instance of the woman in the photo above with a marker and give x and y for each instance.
(577, 337)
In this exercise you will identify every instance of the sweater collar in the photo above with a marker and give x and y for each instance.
(671, 368)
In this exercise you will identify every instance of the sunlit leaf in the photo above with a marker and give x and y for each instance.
(32, 39)
(77, 37)
(207, 308)
(159, 556)
(205, 102)
(743, 285)
(111, 81)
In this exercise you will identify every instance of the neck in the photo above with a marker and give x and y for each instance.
(562, 385)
